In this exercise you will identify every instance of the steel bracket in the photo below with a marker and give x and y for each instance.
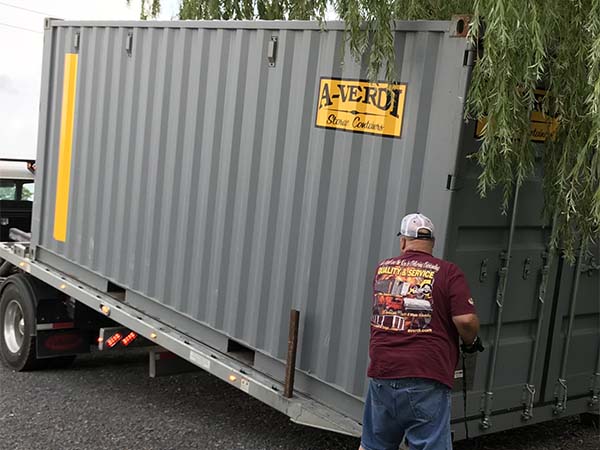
(483, 273)
(544, 280)
(21, 250)
(560, 396)
(272, 51)
(595, 390)
(528, 399)
(526, 268)
(503, 273)
(129, 43)
(486, 402)
(76, 41)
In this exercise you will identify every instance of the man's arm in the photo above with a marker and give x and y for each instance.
(467, 326)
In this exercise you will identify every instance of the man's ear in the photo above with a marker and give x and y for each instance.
(402, 244)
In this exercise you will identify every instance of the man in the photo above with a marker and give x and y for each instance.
(421, 305)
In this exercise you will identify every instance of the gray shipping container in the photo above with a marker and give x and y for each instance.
(200, 184)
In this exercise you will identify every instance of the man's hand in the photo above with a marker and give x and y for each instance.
(467, 326)
(475, 346)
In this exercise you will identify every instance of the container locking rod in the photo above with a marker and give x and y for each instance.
(529, 388)
(560, 395)
(290, 366)
(488, 395)
(595, 387)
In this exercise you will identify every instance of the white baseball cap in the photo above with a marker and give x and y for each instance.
(416, 226)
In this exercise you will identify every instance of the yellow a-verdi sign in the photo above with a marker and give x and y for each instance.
(361, 106)
(542, 127)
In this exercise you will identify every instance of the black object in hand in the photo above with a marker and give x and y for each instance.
(476, 346)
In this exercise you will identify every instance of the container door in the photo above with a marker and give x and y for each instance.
(478, 242)
(573, 354)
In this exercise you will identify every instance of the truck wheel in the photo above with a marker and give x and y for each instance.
(17, 321)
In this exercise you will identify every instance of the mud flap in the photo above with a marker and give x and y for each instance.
(57, 334)
(65, 342)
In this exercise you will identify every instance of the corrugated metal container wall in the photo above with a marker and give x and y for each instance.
(199, 180)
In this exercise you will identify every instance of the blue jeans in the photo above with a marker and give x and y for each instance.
(415, 408)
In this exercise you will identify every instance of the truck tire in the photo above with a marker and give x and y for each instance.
(17, 322)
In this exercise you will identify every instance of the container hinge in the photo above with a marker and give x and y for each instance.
(528, 398)
(129, 43)
(272, 51)
(560, 396)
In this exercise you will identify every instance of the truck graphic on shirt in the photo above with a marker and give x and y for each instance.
(402, 302)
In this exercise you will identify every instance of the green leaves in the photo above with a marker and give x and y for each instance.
(526, 45)
(502, 90)
(243, 9)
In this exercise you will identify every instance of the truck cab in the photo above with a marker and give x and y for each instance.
(16, 196)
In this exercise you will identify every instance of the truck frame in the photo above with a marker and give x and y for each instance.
(299, 408)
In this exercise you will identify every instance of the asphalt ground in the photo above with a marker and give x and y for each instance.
(107, 401)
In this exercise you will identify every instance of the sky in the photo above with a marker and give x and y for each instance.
(21, 42)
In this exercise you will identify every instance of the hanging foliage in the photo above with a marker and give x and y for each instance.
(525, 45)
(149, 8)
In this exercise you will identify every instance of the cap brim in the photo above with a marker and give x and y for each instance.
(423, 237)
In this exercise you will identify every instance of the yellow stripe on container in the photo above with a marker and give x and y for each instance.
(63, 178)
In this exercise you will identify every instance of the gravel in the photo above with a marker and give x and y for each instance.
(107, 401)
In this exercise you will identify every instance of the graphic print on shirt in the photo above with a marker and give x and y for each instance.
(403, 296)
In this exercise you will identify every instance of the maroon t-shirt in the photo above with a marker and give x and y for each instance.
(415, 297)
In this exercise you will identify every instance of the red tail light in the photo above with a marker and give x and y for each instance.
(129, 338)
(114, 339)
